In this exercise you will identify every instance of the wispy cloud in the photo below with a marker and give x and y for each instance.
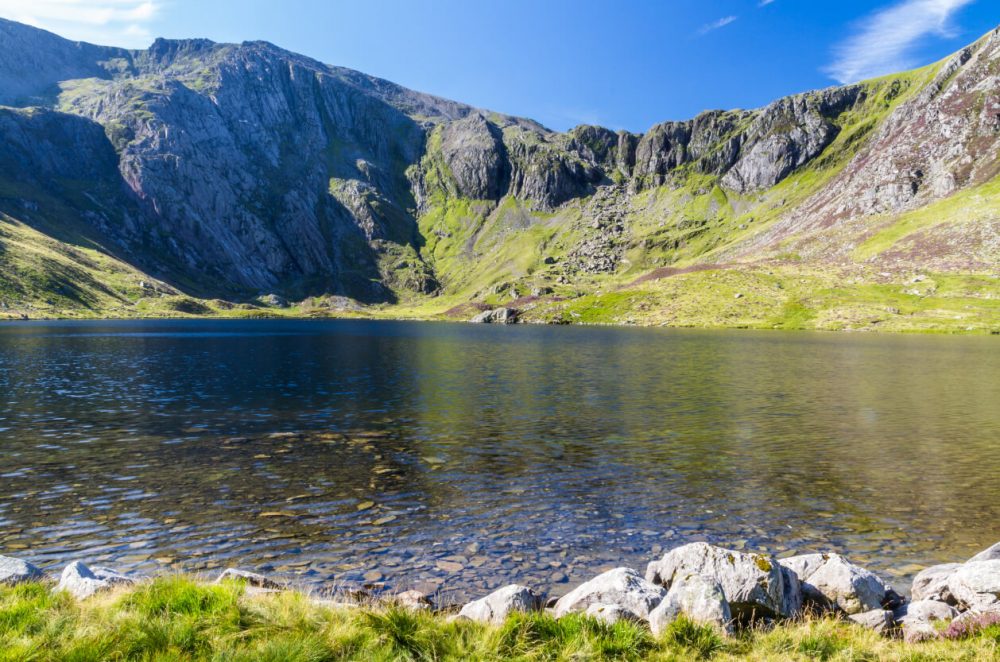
(764, 3)
(715, 25)
(885, 41)
(111, 22)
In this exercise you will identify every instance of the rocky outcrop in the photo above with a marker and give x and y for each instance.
(497, 316)
(754, 585)
(622, 586)
(15, 571)
(496, 606)
(829, 581)
(474, 152)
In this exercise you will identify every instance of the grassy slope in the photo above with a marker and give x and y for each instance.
(179, 619)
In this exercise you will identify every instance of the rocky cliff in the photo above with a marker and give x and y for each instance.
(236, 170)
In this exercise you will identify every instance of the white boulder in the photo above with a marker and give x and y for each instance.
(753, 584)
(621, 586)
(496, 606)
(83, 582)
(832, 582)
(14, 571)
(699, 598)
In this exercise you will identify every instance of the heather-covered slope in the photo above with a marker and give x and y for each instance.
(229, 172)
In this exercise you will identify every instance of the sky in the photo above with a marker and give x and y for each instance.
(624, 64)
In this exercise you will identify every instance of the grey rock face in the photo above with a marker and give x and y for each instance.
(497, 316)
(699, 598)
(754, 585)
(621, 586)
(976, 585)
(496, 606)
(830, 581)
(474, 152)
(82, 582)
(932, 583)
(250, 578)
(16, 571)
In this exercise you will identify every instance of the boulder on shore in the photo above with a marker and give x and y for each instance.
(976, 585)
(496, 606)
(698, 598)
(831, 582)
(754, 585)
(82, 582)
(15, 571)
(622, 587)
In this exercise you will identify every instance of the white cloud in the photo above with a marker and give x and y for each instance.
(764, 3)
(884, 42)
(715, 25)
(108, 22)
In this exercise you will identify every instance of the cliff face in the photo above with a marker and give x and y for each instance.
(234, 170)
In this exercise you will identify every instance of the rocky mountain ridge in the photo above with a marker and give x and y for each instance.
(236, 170)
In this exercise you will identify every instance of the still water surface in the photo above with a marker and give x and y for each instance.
(459, 457)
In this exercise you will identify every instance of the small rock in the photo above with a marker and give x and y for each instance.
(413, 600)
(621, 586)
(917, 619)
(496, 606)
(14, 571)
(249, 578)
(879, 620)
(699, 598)
(611, 614)
(83, 582)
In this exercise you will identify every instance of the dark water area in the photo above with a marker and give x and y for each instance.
(460, 458)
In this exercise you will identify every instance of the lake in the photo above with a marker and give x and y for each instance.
(463, 457)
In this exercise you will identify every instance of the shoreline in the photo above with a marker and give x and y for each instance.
(696, 601)
(874, 330)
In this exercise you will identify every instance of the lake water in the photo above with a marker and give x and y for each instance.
(460, 457)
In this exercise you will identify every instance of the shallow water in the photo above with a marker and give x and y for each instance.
(459, 457)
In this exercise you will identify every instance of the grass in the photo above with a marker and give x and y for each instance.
(177, 618)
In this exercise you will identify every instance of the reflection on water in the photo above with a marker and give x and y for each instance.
(464, 457)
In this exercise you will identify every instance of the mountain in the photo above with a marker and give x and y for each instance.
(203, 178)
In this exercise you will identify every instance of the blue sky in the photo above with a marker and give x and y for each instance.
(624, 64)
